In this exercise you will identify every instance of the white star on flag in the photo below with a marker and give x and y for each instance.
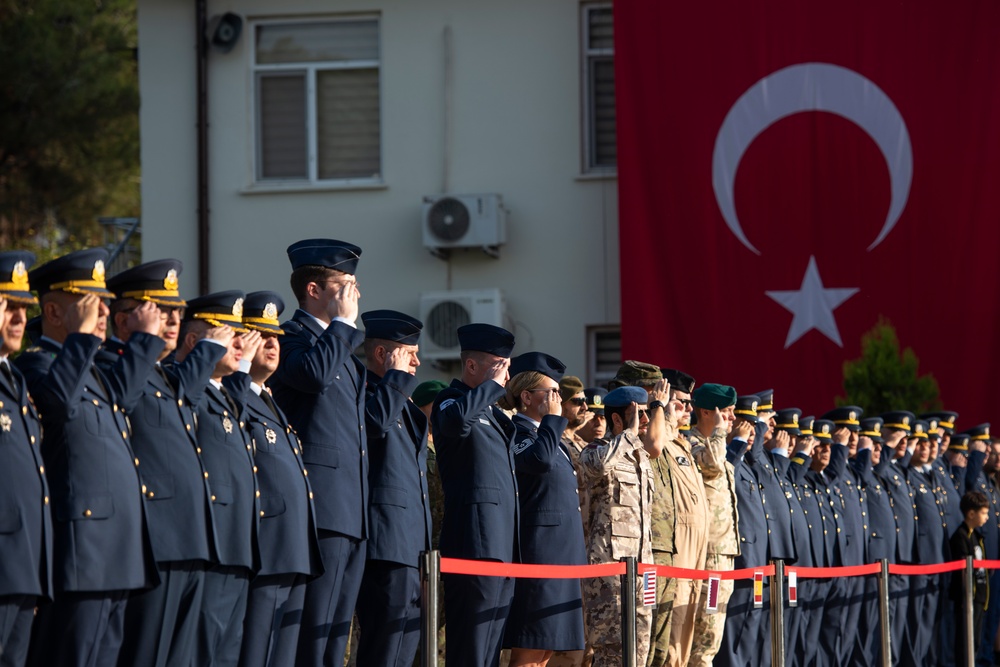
(812, 306)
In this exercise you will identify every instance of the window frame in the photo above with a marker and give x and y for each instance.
(596, 377)
(311, 70)
(587, 56)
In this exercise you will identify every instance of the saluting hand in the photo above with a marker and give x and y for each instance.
(222, 334)
(81, 315)
(660, 392)
(146, 318)
(251, 343)
(551, 404)
(742, 430)
(398, 359)
(499, 372)
(864, 442)
(344, 303)
(718, 419)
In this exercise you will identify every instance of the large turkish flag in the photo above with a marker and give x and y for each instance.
(789, 171)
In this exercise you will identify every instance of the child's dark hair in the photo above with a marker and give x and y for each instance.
(973, 501)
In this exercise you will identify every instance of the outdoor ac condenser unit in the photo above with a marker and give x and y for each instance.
(464, 221)
(444, 312)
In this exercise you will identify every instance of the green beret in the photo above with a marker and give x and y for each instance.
(638, 374)
(570, 386)
(426, 392)
(710, 396)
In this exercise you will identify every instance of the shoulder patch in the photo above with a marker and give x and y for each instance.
(445, 403)
(523, 445)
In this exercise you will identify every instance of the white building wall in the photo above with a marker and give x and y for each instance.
(517, 131)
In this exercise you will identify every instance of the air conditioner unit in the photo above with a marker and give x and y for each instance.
(444, 312)
(464, 221)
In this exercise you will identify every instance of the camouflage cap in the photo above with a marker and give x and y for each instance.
(637, 374)
(570, 386)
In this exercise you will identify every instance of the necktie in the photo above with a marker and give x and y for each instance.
(265, 396)
(9, 379)
(230, 401)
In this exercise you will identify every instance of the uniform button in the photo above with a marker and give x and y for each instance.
(144, 488)
(125, 435)
(241, 424)
(255, 470)
(310, 495)
(225, 414)
(24, 410)
(32, 439)
(87, 513)
(158, 394)
(213, 499)
(421, 473)
(187, 426)
(41, 469)
(248, 448)
(305, 472)
(257, 493)
(149, 495)
(296, 451)
(262, 512)
(180, 402)
(136, 462)
(425, 496)
(197, 450)
(363, 452)
(96, 403)
(205, 474)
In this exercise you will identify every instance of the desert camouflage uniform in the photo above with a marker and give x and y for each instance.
(679, 518)
(620, 490)
(723, 538)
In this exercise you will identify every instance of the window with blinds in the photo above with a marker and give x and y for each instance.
(604, 353)
(318, 101)
(600, 144)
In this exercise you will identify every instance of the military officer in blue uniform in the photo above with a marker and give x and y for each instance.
(320, 385)
(161, 624)
(101, 545)
(546, 614)
(399, 514)
(854, 515)
(983, 464)
(474, 441)
(26, 527)
(226, 451)
(890, 470)
(743, 641)
(287, 538)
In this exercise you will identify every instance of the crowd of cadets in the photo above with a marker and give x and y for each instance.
(193, 483)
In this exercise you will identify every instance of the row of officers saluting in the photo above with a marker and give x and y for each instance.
(202, 485)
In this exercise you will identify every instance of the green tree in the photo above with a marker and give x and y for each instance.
(886, 379)
(69, 139)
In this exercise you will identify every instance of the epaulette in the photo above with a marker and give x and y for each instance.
(291, 326)
(34, 348)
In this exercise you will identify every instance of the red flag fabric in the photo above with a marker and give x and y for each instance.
(788, 172)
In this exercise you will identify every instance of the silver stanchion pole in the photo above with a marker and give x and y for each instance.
(969, 584)
(883, 613)
(777, 614)
(430, 573)
(629, 584)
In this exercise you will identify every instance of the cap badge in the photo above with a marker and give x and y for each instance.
(753, 405)
(98, 272)
(877, 427)
(852, 415)
(826, 428)
(170, 281)
(271, 311)
(795, 418)
(597, 400)
(906, 420)
(19, 276)
(238, 308)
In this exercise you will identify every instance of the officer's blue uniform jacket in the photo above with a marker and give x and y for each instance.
(287, 532)
(893, 476)
(781, 539)
(852, 505)
(399, 512)
(981, 482)
(931, 541)
(752, 519)
(96, 495)
(178, 497)
(474, 439)
(881, 515)
(319, 385)
(25, 520)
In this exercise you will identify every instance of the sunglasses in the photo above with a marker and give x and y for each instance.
(578, 401)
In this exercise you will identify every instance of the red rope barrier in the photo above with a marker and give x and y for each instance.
(528, 571)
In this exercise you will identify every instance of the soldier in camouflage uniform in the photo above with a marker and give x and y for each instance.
(714, 410)
(680, 535)
(621, 489)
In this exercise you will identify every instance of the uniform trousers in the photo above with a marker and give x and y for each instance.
(946, 630)
(746, 640)
(666, 592)
(477, 609)
(16, 614)
(852, 589)
(78, 630)
(389, 614)
(924, 594)
(812, 596)
(271, 626)
(990, 621)
(330, 601)
(224, 604)
(708, 628)
(161, 624)
(832, 637)
(899, 607)
(867, 650)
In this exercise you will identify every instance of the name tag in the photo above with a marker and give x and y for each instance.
(683, 460)
(484, 421)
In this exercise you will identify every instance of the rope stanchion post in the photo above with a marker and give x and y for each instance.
(777, 614)
(969, 585)
(629, 583)
(883, 613)
(430, 573)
